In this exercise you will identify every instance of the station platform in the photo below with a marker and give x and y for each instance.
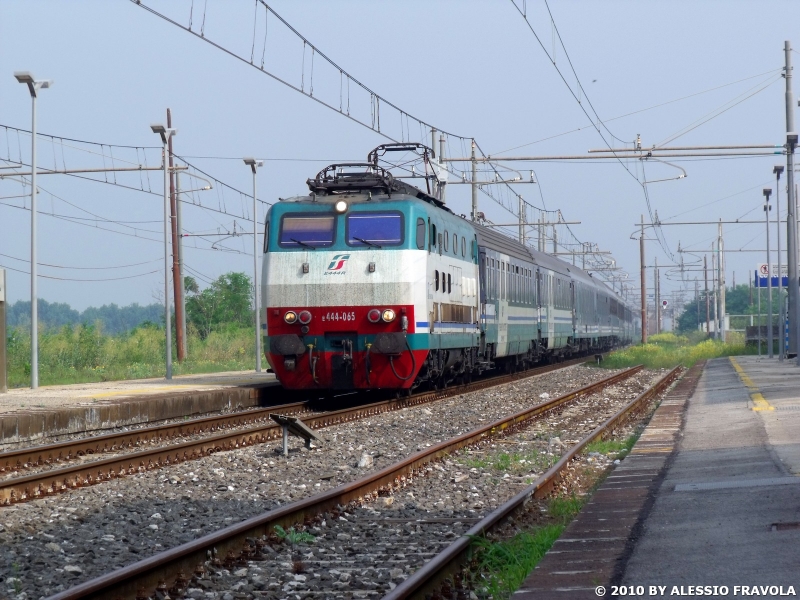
(709, 496)
(51, 411)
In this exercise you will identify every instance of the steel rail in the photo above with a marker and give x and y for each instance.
(25, 458)
(47, 483)
(448, 562)
(161, 570)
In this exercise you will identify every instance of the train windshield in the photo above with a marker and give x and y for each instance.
(307, 230)
(376, 229)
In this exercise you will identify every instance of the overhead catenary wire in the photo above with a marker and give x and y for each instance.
(82, 280)
(147, 262)
(637, 111)
(377, 102)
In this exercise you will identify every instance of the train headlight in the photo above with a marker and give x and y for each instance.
(374, 315)
(340, 206)
(290, 317)
(304, 317)
(388, 315)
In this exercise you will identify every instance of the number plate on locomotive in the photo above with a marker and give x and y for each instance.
(339, 316)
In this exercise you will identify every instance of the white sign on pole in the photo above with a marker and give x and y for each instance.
(763, 269)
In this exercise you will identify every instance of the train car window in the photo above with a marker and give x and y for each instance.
(420, 234)
(433, 234)
(449, 284)
(464, 247)
(266, 236)
(446, 240)
(436, 280)
(299, 230)
(455, 244)
(375, 229)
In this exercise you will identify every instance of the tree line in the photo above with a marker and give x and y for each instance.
(226, 303)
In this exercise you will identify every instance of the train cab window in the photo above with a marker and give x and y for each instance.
(307, 230)
(421, 234)
(464, 247)
(375, 229)
(446, 240)
(266, 236)
(449, 284)
(436, 280)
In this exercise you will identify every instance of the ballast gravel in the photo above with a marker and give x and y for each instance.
(366, 551)
(51, 544)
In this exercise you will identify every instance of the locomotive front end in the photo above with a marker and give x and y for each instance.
(343, 279)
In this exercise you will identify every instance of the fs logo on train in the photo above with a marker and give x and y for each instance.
(337, 264)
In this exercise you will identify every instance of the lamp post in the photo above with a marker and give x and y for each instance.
(778, 169)
(33, 86)
(767, 208)
(166, 133)
(254, 164)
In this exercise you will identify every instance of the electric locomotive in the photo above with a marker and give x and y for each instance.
(369, 282)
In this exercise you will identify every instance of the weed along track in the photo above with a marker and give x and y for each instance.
(105, 457)
(407, 449)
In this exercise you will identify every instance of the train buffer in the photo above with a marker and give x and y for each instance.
(296, 427)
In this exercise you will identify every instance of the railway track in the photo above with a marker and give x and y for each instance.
(249, 428)
(173, 570)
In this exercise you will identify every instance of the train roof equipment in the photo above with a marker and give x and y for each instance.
(369, 177)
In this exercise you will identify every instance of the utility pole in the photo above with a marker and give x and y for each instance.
(770, 338)
(181, 287)
(721, 265)
(522, 222)
(3, 335)
(442, 185)
(555, 240)
(180, 342)
(643, 283)
(541, 234)
(714, 288)
(708, 304)
(656, 294)
(791, 218)
(254, 165)
(697, 302)
(778, 169)
(474, 184)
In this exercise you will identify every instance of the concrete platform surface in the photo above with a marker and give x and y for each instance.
(728, 510)
(52, 396)
(52, 411)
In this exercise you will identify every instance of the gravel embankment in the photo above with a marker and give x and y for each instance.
(49, 544)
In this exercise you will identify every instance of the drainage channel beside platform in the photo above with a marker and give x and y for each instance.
(592, 551)
(50, 412)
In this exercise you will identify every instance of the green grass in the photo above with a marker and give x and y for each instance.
(615, 447)
(507, 563)
(85, 354)
(515, 462)
(666, 350)
(294, 537)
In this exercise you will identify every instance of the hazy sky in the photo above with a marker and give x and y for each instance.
(472, 68)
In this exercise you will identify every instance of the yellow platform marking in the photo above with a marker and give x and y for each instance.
(755, 395)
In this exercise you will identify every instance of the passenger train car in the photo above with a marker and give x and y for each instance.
(369, 282)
